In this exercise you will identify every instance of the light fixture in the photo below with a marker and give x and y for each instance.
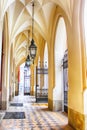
(32, 47)
(28, 60)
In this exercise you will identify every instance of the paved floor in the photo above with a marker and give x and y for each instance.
(37, 116)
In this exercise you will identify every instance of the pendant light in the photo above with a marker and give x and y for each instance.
(32, 47)
(28, 60)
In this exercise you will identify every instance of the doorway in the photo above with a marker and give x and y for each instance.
(24, 80)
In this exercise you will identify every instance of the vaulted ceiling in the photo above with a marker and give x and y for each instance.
(19, 14)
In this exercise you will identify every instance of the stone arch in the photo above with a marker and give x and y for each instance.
(51, 77)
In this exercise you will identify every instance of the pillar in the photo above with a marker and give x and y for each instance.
(17, 81)
(6, 65)
(11, 73)
(14, 78)
(77, 116)
(41, 75)
(32, 79)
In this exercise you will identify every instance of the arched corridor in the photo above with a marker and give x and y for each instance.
(47, 37)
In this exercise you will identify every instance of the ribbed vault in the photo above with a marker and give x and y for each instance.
(19, 14)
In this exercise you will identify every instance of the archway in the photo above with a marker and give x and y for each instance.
(24, 79)
(60, 48)
(46, 65)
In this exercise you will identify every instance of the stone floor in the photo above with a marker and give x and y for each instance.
(37, 116)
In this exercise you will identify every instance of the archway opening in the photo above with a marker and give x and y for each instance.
(24, 80)
(46, 66)
(59, 51)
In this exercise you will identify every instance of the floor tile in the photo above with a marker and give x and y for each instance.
(38, 117)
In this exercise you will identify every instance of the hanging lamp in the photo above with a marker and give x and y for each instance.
(28, 60)
(33, 47)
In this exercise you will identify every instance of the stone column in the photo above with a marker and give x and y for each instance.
(77, 111)
(6, 65)
(32, 91)
(14, 79)
(11, 73)
(17, 74)
(42, 75)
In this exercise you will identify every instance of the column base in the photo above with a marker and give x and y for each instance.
(32, 93)
(16, 93)
(13, 95)
(77, 120)
(50, 104)
(57, 105)
(10, 97)
(3, 105)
